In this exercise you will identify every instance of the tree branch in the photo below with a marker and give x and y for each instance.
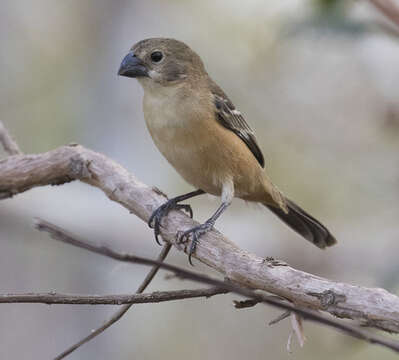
(372, 306)
(154, 297)
(122, 311)
(389, 8)
(9, 145)
(61, 235)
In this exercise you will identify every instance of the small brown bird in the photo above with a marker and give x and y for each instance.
(206, 139)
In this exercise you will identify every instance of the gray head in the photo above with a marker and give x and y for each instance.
(165, 61)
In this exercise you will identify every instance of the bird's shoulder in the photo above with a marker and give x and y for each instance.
(232, 119)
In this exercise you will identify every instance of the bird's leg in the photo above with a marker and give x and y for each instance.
(201, 229)
(197, 231)
(172, 204)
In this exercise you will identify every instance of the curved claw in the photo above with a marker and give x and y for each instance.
(157, 231)
(193, 246)
(187, 208)
(151, 219)
(196, 233)
(156, 217)
(155, 221)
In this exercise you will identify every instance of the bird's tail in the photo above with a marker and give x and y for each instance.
(304, 224)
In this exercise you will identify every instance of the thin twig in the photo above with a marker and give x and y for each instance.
(9, 144)
(122, 311)
(281, 317)
(61, 235)
(389, 8)
(297, 328)
(250, 303)
(154, 297)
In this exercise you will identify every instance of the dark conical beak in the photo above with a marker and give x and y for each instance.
(132, 66)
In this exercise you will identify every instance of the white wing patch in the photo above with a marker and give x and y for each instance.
(233, 120)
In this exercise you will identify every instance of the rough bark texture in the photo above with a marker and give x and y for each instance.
(373, 307)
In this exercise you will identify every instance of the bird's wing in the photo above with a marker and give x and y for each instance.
(232, 119)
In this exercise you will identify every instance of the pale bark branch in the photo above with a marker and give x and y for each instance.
(373, 307)
(9, 145)
(62, 235)
(52, 298)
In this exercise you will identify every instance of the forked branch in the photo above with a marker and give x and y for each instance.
(373, 307)
(59, 234)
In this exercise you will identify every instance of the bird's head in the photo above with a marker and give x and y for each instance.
(162, 61)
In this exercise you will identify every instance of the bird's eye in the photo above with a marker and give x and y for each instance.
(156, 56)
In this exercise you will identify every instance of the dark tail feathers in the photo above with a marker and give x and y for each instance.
(304, 224)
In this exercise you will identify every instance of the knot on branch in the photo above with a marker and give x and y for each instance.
(328, 298)
(270, 261)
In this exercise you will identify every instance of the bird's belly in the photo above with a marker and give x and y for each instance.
(190, 156)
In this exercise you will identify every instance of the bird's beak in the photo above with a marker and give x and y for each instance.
(132, 66)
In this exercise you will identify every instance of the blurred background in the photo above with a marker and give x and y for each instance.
(317, 80)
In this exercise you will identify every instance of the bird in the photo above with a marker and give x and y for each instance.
(206, 139)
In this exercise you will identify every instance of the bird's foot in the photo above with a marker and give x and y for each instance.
(157, 216)
(196, 232)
